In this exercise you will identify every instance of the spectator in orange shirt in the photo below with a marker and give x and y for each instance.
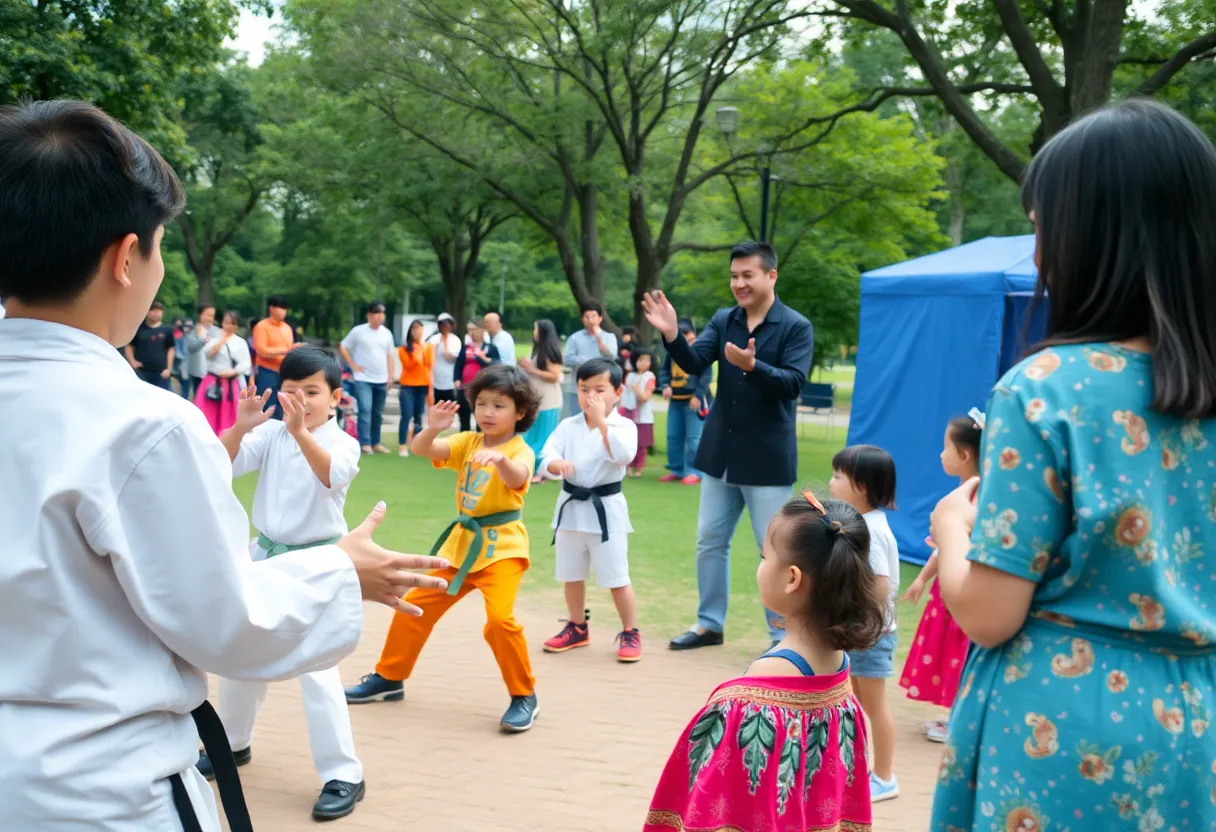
(415, 385)
(273, 338)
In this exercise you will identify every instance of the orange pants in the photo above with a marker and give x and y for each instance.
(499, 584)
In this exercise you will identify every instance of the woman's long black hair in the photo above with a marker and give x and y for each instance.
(547, 350)
(410, 340)
(1124, 204)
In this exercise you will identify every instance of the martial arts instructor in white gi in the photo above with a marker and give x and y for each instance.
(124, 565)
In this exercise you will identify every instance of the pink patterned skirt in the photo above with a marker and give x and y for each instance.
(936, 658)
(769, 754)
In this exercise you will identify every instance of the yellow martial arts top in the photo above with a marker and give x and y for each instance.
(480, 491)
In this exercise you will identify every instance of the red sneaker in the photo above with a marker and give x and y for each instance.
(630, 649)
(669, 478)
(572, 635)
(691, 479)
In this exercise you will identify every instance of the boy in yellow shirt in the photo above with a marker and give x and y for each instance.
(487, 542)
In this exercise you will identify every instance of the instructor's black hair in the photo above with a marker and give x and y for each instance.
(74, 181)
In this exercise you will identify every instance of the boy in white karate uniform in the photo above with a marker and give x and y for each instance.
(307, 464)
(590, 452)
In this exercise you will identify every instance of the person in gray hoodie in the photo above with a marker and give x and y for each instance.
(196, 361)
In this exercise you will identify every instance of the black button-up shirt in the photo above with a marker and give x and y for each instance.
(750, 436)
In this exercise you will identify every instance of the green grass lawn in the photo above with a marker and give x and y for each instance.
(662, 549)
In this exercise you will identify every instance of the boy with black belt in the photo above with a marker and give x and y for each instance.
(590, 452)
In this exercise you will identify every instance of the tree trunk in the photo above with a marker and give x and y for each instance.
(649, 268)
(205, 278)
(454, 275)
(1091, 54)
(589, 240)
(648, 275)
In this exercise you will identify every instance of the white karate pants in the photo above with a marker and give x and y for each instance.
(329, 731)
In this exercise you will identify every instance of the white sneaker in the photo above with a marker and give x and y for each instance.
(403, 451)
(936, 730)
(881, 790)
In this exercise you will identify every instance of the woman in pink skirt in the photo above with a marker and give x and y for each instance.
(939, 650)
(228, 364)
(783, 748)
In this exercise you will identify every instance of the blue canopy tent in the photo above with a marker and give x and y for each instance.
(936, 334)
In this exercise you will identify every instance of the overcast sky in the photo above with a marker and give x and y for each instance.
(252, 32)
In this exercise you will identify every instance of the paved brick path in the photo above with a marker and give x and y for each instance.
(436, 762)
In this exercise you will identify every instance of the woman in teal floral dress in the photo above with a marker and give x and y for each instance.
(1085, 568)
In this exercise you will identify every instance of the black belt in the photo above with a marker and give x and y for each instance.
(577, 492)
(215, 742)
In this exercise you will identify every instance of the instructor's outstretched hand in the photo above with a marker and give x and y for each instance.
(382, 574)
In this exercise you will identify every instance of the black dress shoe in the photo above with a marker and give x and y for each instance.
(203, 765)
(692, 640)
(338, 799)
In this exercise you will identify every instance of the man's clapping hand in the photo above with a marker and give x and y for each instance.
(745, 360)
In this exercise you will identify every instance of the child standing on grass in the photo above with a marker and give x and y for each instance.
(591, 522)
(488, 539)
(636, 405)
(864, 477)
(307, 464)
(939, 649)
(784, 747)
(687, 396)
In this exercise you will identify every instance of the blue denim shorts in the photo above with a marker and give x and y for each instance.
(878, 662)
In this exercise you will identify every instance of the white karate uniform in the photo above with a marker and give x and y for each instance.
(124, 576)
(579, 542)
(292, 506)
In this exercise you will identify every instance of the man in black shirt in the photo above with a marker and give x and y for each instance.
(152, 351)
(749, 450)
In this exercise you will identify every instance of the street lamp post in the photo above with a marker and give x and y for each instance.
(728, 124)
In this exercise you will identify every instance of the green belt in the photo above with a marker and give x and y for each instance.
(474, 525)
(273, 549)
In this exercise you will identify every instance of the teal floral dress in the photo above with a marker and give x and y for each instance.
(1096, 715)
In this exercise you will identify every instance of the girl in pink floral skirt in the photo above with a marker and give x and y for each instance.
(783, 748)
(939, 650)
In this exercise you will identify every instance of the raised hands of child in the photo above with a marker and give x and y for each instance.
(252, 409)
(915, 591)
(561, 468)
(442, 415)
(293, 411)
(486, 457)
(595, 410)
(382, 573)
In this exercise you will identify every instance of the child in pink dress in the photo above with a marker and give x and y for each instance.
(939, 650)
(636, 406)
(783, 748)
